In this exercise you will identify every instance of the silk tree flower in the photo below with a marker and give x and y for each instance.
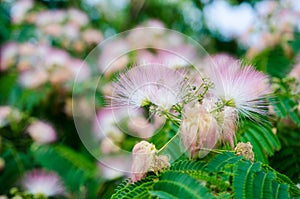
(42, 182)
(145, 158)
(42, 132)
(150, 84)
(199, 130)
(241, 87)
(229, 125)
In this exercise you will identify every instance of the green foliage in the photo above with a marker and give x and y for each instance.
(179, 185)
(15, 95)
(16, 163)
(274, 62)
(263, 140)
(224, 176)
(77, 171)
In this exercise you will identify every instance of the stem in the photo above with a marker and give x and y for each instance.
(163, 147)
(215, 150)
(202, 94)
(173, 118)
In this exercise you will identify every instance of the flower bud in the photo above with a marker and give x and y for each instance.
(145, 159)
(244, 149)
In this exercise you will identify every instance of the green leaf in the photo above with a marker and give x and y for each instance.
(220, 161)
(262, 138)
(263, 185)
(181, 186)
(189, 165)
(127, 190)
(280, 191)
(274, 62)
(243, 180)
(162, 195)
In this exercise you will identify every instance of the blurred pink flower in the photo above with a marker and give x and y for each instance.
(108, 168)
(175, 58)
(106, 122)
(8, 55)
(113, 57)
(92, 36)
(70, 32)
(108, 146)
(8, 114)
(199, 130)
(242, 87)
(19, 10)
(148, 84)
(42, 132)
(140, 126)
(77, 17)
(47, 17)
(42, 182)
(54, 30)
(33, 78)
(79, 69)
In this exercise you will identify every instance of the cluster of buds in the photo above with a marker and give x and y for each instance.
(244, 149)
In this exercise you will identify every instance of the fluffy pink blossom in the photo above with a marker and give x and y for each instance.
(229, 126)
(42, 132)
(241, 86)
(145, 158)
(42, 182)
(148, 84)
(199, 130)
(143, 155)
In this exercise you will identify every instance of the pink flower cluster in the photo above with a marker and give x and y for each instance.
(40, 63)
(209, 112)
(167, 48)
(68, 27)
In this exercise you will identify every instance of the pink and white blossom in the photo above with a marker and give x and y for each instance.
(150, 84)
(199, 130)
(42, 182)
(42, 132)
(144, 159)
(242, 87)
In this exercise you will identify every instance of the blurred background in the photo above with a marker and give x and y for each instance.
(43, 47)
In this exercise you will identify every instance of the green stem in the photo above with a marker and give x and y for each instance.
(216, 150)
(163, 147)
